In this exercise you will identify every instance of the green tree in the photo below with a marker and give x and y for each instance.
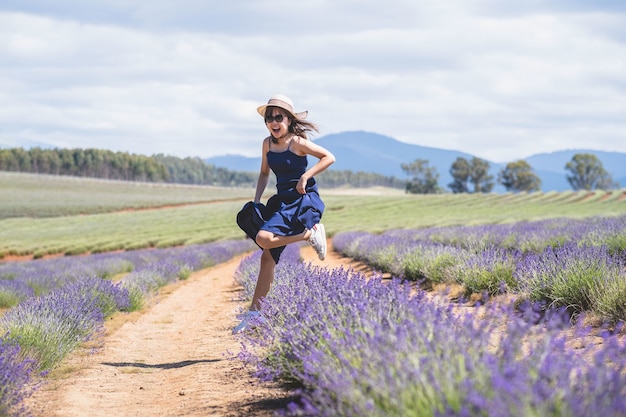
(519, 176)
(10, 159)
(587, 173)
(23, 159)
(460, 171)
(479, 176)
(424, 178)
(475, 172)
(106, 164)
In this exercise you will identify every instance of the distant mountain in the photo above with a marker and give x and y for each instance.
(235, 162)
(23, 143)
(363, 151)
(371, 152)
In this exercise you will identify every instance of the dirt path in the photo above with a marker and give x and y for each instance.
(175, 359)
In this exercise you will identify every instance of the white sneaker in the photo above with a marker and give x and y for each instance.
(318, 240)
(250, 319)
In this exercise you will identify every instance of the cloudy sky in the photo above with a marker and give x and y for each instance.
(500, 80)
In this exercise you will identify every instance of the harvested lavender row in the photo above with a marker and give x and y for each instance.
(370, 347)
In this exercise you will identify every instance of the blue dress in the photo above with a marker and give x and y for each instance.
(288, 212)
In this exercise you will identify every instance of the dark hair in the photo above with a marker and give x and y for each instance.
(298, 127)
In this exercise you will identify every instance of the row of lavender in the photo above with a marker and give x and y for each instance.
(563, 262)
(368, 347)
(57, 304)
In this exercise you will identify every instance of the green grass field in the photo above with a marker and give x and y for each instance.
(41, 215)
(31, 195)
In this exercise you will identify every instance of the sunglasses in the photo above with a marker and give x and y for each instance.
(278, 118)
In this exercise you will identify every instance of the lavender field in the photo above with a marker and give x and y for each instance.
(54, 305)
(352, 346)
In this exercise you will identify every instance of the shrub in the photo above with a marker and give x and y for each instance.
(571, 275)
(491, 270)
(49, 327)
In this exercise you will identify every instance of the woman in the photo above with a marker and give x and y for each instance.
(293, 214)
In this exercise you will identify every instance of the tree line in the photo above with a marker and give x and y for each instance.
(104, 164)
(98, 163)
(585, 173)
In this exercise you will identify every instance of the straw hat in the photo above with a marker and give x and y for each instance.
(285, 103)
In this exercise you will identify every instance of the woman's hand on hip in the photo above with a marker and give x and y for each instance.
(301, 186)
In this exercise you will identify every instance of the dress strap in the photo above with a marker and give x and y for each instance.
(290, 140)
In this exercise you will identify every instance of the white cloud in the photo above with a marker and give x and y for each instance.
(185, 78)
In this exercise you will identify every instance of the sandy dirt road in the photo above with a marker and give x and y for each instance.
(177, 358)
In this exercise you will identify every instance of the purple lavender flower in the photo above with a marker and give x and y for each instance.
(15, 379)
(359, 346)
(44, 275)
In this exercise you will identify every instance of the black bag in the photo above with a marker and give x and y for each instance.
(250, 218)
